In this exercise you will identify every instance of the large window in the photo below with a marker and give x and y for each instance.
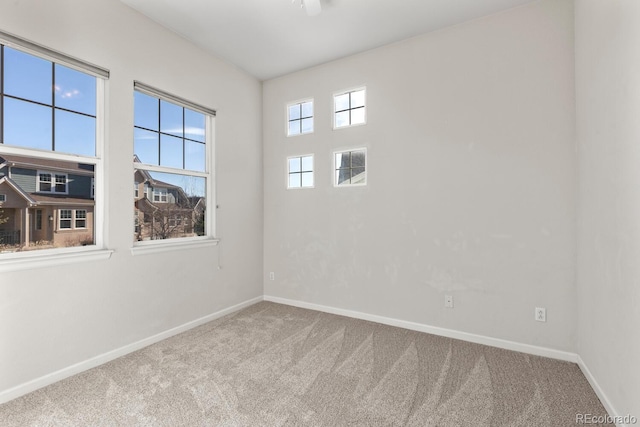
(172, 151)
(349, 108)
(51, 138)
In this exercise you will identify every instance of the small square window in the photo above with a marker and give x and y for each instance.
(300, 172)
(81, 218)
(3, 198)
(300, 118)
(349, 108)
(350, 167)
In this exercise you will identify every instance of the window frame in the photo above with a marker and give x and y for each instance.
(53, 183)
(288, 120)
(345, 92)
(335, 168)
(3, 198)
(56, 256)
(289, 173)
(209, 174)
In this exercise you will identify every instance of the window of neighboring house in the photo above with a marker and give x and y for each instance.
(51, 136)
(160, 195)
(300, 172)
(66, 217)
(3, 197)
(173, 144)
(349, 108)
(81, 218)
(49, 182)
(72, 219)
(300, 118)
(135, 190)
(350, 167)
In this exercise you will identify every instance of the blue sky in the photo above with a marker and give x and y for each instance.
(29, 118)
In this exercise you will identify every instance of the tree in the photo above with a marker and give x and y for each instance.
(3, 219)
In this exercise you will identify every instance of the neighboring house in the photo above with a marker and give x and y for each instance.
(163, 210)
(45, 203)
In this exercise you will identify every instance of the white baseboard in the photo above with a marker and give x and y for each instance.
(28, 387)
(435, 330)
(599, 392)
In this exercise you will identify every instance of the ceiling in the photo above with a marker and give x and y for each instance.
(270, 38)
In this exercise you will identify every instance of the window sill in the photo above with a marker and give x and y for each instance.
(38, 260)
(156, 246)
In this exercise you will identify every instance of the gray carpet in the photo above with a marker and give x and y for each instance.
(275, 365)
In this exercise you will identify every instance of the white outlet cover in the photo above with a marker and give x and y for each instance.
(540, 314)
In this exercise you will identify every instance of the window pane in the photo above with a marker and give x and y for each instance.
(171, 120)
(342, 160)
(341, 102)
(294, 164)
(27, 76)
(75, 133)
(179, 211)
(307, 163)
(75, 90)
(195, 156)
(146, 146)
(307, 179)
(194, 125)
(342, 119)
(358, 176)
(294, 180)
(294, 112)
(357, 116)
(146, 111)
(343, 176)
(27, 124)
(171, 151)
(357, 159)
(307, 125)
(357, 99)
(307, 109)
(294, 127)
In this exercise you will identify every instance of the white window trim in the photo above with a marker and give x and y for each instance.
(53, 182)
(70, 219)
(333, 107)
(85, 219)
(53, 257)
(289, 173)
(3, 198)
(366, 168)
(161, 192)
(286, 115)
(167, 245)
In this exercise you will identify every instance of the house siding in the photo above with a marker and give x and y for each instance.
(25, 179)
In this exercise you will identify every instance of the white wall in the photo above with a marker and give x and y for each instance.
(608, 130)
(472, 181)
(51, 318)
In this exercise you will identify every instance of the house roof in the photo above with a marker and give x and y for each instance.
(49, 164)
(17, 189)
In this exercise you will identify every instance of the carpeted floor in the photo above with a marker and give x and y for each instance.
(275, 365)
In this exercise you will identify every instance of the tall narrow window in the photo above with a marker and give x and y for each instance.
(300, 115)
(300, 172)
(349, 108)
(172, 149)
(51, 143)
(350, 167)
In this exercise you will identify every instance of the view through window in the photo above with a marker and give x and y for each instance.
(48, 152)
(171, 172)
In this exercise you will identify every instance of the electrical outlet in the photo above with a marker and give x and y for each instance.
(272, 276)
(541, 314)
(448, 301)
